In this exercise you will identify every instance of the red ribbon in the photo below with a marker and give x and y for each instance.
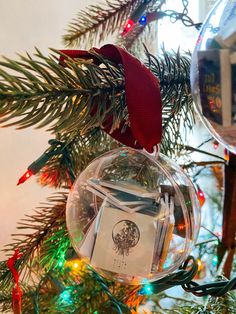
(16, 290)
(142, 97)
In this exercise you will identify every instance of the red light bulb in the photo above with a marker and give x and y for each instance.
(215, 144)
(201, 196)
(25, 177)
(128, 26)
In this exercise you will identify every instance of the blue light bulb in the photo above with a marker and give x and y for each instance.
(143, 20)
(215, 261)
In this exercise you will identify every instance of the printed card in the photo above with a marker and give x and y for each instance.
(125, 242)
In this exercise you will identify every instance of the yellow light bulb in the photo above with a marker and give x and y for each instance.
(199, 264)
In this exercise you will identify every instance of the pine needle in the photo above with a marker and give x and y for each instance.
(99, 21)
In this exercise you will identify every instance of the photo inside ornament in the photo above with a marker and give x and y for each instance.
(132, 218)
(213, 73)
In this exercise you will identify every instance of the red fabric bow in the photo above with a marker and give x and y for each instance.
(142, 96)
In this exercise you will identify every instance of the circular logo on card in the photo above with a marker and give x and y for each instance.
(125, 235)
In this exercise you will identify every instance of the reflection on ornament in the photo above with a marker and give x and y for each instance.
(218, 174)
(181, 227)
(219, 233)
(213, 74)
(133, 217)
(201, 196)
(201, 273)
(199, 264)
(226, 155)
(215, 144)
(215, 261)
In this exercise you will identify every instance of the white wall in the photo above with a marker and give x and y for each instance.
(23, 25)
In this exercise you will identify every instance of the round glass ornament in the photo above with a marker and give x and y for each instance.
(132, 217)
(213, 73)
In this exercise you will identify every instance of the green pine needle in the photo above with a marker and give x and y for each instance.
(173, 72)
(45, 93)
(47, 221)
(99, 21)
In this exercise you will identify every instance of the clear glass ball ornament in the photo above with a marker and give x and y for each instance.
(213, 73)
(132, 217)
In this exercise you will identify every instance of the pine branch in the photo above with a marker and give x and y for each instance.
(45, 93)
(86, 293)
(223, 305)
(42, 251)
(133, 41)
(172, 69)
(79, 153)
(202, 163)
(47, 221)
(90, 294)
(5, 300)
(220, 305)
(99, 21)
(197, 150)
(132, 38)
(35, 299)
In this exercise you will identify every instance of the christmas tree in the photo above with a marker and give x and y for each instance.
(84, 99)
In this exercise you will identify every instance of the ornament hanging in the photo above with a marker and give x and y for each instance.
(144, 129)
(213, 73)
(134, 218)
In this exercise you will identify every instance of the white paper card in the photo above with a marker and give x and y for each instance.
(124, 242)
(87, 245)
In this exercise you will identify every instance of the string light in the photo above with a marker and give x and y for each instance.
(143, 20)
(39, 163)
(181, 227)
(226, 155)
(76, 268)
(35, 167)
(25, 177)
(199, 264)
(146, 290)
(215, 261)
(75, 265)
(219, 234)
(61, 263)
(201, 196)
(128, 27)
(215, 144)
(135, 17)
(65, 297)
